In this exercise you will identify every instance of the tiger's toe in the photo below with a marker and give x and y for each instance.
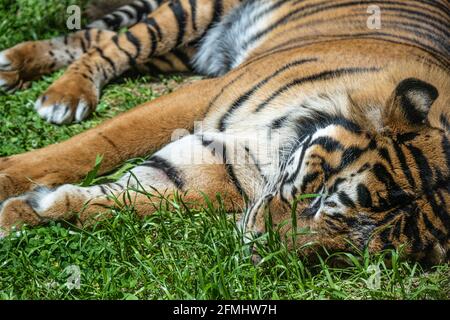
(10, 81)
(12, 72)
(61, 109)
(5, 62)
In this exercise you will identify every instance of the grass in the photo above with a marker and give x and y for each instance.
(174, 254)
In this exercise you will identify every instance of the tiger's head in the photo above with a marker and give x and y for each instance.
(376, 181)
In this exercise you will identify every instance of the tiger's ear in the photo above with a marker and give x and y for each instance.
(409, 104)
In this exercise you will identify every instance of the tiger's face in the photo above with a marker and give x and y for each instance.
(377, 188)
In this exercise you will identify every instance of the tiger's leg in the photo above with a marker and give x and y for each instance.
(174, 24)
(192, 166)
(132, 134)
(30, 60)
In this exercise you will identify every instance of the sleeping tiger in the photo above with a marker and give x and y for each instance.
(311, 114)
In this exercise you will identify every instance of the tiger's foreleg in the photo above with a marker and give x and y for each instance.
(30, 60)
(187, 167)
(173, 25)
(132, 134)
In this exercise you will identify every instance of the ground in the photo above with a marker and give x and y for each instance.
(181, 254)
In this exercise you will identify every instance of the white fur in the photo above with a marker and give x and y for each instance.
(82, 111)
(3, 82)
(61, 113)
(4, 61)
(224, 46)
(45, 199)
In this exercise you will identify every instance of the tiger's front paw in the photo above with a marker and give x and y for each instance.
(24, 63)
(70, 99)
(16, 212)
(11, 71)
(40, 206)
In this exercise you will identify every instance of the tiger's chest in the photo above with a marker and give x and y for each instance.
(230, 42)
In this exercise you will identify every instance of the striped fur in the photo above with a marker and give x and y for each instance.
(304, 97)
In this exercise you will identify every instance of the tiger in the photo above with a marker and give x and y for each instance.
(328, 120)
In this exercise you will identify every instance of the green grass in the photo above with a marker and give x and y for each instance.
(174, 254)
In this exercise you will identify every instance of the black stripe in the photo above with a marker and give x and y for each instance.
(180, 16)
(384, 153)
(116, 186)
(307, 179)
(152, 23)
(414, 28)
(87, 36)
(397, 229)
(327, 143)
(446, 148)
(444, 122)
(183, 57)
(364, 197)
(228, 166)
(336, 184)
(117, 20)
(111, 143)
(98, 35)
(88, 67)
(103, 189)
(131, 15)
(248, 94)
(404, 165)
(166, 60)
(255, 162)
(153, 40)
(71, 56)
(228, 85)
(169, 170)
(382, 3)
(217, 14)
(193, 4)
(346, 200)
(425, 23)
(107, 59)
(279, 123)
(83, 46)
(131, 59)
(428, 185)
(141, 11)
(147, 7)
(135, 41)
(291, 178)
(109, 22)
(435, 231)
(349, 156)
(433, 21)
(153, 69)
(412, 231)
(396, 195)
(325, 75)
(439, 59)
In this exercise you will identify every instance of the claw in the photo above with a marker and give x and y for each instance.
(62, 113)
